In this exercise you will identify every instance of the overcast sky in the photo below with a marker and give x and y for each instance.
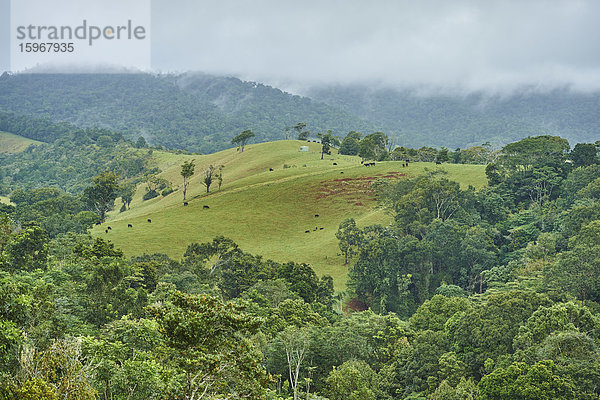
(464, 45)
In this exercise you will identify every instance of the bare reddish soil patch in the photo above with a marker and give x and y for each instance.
(356, 191)
(355, 305)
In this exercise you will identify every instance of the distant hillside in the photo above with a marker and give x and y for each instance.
(461, 121)
(194, 112)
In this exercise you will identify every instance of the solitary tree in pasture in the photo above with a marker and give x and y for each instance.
(187, 171)
(210, 175)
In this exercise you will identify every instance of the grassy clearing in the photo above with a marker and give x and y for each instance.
(10, 143)
(265, 212)
(5, 200)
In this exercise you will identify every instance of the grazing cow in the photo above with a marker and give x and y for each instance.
(316, 215)
(334, 163)
(438, 163)
(362, 162)
(97, 223)
(185, 203)
(205, 206)
(316, 228)
(320, 229)
(106, 230)
(149, 220)
(108, 227)
(306, 231)
(341, 172)
(270, 169)
(129, 226)
(403, 165)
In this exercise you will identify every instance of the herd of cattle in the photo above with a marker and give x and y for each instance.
(185, 203)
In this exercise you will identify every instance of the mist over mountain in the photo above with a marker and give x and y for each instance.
(202, 112)
(428, 118)
(195, 112)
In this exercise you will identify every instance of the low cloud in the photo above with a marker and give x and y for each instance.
(457, 46)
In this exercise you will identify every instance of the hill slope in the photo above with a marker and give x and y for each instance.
(266, 212)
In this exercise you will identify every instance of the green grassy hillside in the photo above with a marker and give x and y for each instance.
(10, 143)
(265, 212)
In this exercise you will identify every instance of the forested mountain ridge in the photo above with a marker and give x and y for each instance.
(201, 112)
(453, 121)
(195, 112)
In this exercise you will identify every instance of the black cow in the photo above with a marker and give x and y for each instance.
(106, 230)
(334, 163)
(149, 220)
(108, 227)
(306, 231)
(98, 223)
(316, 215)
(270, 169)
(205, 206)
(341, 172)
(185, 203)
(129, 226)
(320, 229)
(438, 163)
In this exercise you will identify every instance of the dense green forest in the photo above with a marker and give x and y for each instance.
(468, 294)
(195, 112)
(419, 119)
(69, 157)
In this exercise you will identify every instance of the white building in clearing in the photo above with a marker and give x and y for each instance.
(303, 148)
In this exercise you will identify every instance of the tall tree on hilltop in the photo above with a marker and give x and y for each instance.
(327, 140)
(302, 134)
(241, 139)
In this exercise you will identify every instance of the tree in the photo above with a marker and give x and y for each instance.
(353, 379)
(578, 269)
(127, 191)
(28, 249)
(208, 339)
(295, 342)
(154, 184)
(209, 175)
(241, 139)
(187, 171)
(141, 143)
(522, 381)
(220, 176)
(350, 237)
(351, 144)
(101, 196)
(442, 155)
(327, 140)
(373, 146)
(584, 154)
(302, 134)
